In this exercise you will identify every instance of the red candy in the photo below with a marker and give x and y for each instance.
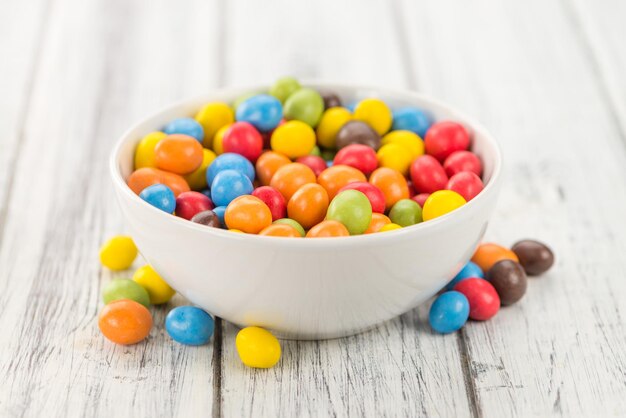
(273, 199)
(466, 183)
(359, 156)
(444, 138)
(188, 204)
(460, 161)
(428, 175)
(314, 162)
(421, 198)
(243, 138)
(373, 193)
(483, 299)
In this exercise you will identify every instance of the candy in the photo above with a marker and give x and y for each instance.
(209, 217)
(118, 253)
(189, 325)
(280, 230)
(315, 163)
(421, 198)
(144, 177)
(185, 126)
(119, 289)
(411, 119)
(328, 155)
(257, 347)
(291, 223)
(180, 154)
(488, 254)
(229, 161)
(483, 299)
(293, 139)
(228, 185)
(444, 138)
(289, 178)
(248, 214)
(326, 229)
(357, 132)
(406, 212)
(394, 156)
(353, 209)
(315, 151)
(441, 203)
(189, 204)
(375, 113)
(334, 178)
(449, 312)
(391, 183)
(389, 227)
(534, 256)
(263, 111)
(373, 193)
(268, 163)
(460, 161)
(284, 87)
(144, 154)
(469, 270)
(239, 100)
(378, 221)
(160, 196)
(197, 179)
(407, 139)
(465, 183)
(273, 199)
(428, 175)
(218, 139)
(125, 322)
(359, 156)
(330, 124)
(158, 290)
(308, 205)
(305, 105)
(212, 117)
(219, 211)
(242, 138)
(509, 280)
(330, 100)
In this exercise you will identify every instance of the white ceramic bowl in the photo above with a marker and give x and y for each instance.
(308, 288)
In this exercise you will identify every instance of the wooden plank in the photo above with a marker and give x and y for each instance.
(103, 65)
(518, 68)
(399, 368)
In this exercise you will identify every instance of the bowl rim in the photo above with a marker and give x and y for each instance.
(367, 239)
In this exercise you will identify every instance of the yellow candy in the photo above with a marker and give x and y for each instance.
(394, 156)
(331, 122)
(257, 347)
(440, 203)
(389, 227)
(375, 113)
(144, 154)
(158, 290)
(212, 117)
(118, 253)
(293, 139)
(197, 179)
(237, 231)
(411, 141)
(218, 146)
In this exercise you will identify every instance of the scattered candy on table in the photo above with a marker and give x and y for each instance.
(189, 325)
(118, 253)
(257, 347)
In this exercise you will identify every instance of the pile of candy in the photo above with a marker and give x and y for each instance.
(295, 163)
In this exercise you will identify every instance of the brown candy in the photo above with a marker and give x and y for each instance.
(534, 256)
(331, 100)
(357, 132)
(509, 279)
(206, 217)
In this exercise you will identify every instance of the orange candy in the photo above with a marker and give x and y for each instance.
(180, 154)
(308, 205)
(392, 183)
(147, 176)
(378, 221)
(488, 254)
(337, 176)
(248, 214)
(328, 229)
(267, 164)
(289, 178)
(280, 230)
(125, 321)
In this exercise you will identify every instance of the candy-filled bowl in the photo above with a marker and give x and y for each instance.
(308, 288)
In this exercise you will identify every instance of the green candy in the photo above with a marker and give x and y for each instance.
(291, 222)
(328, 154)
(305, 105)
(125, 289)
(353, 209)
(284, 87)
(406, 212)
(315, 151)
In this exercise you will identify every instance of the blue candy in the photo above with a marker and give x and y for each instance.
(229, 161)
(189, 325)
(263, 111)
(411, 119)
(469, 270)
(351, 106)
(159, 196)
(449, 312)
(228, 185)
(220, 211)
(206, 192)
(185, 126)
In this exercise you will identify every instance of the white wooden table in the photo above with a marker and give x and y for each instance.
(547, 77)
